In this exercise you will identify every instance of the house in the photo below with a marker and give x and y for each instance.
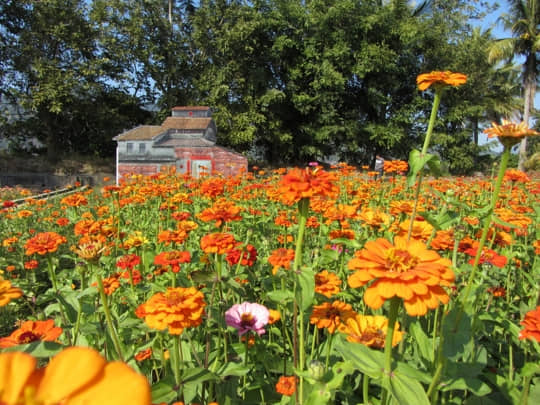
(186, 141)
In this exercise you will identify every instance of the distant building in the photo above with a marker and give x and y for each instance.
(186, 140)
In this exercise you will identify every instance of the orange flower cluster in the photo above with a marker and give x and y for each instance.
(221, 211)
(407, 270)
(369, 330)
(509, 133)
(74, 200)
(281, 258)
(31, 331)
(327, 284)
(176, 309)
(330, 315)
(286, 385)
(77, 375)
(531, 324)
(172, 260)
(306, 183)
(248, 253)
(219, 243)
(110, 284)
(8, 292)
(395, 166)
(43, 243)
(440, 79)
(516, 176)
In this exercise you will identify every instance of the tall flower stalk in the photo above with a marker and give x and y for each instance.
(439, 81)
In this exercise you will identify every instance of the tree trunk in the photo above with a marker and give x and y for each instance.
(530, 90)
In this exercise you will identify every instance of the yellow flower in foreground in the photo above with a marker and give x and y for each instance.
(509, 133)
(369, 330)
(75, 376)
(436, 78)
(8, 292)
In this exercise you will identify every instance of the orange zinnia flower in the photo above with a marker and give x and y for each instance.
(219, 243)
(281, 258)
(222, 211)
(30, 331)
(531, 324)
(77, 375)
(176, 309)
(407, 270)
(327, 284)
(369, 330)
(143, 354)
(110, 284)
(437, 78)
(306, 183)
(43, 243)
(8, 292)
(172, 259)
(74, 200)
(329, 315)
(286, 385)
(509, 133)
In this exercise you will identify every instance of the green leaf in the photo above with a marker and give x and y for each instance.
(232, 369)
(476, 386)
(530, 369)
(417, 162)
(406, 390)
(197, 375)
(366, 360)
(37, 349)
(306, 288)
(163, 392)
(457, 333)
(424, 344)
(280, 296)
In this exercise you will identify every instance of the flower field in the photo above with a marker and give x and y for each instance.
(301, 285)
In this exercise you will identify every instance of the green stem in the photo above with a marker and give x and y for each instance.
(108, 318)
(427, 139)
(432, 118)
(392, 317)
(365, 389)
(303, 209)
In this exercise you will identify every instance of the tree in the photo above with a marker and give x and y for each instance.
(523, 21)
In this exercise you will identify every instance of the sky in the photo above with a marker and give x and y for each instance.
(498, 31)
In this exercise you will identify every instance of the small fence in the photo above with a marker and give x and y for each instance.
(43, 180)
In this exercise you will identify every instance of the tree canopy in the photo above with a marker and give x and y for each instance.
(288, 81)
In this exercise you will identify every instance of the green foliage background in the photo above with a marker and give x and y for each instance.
(289, 81)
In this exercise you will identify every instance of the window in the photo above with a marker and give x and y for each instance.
(129, 147)
(142, 147)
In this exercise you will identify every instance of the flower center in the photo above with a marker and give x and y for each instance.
(400, 261)
(27, 337)
(247, 320)
(173, 298)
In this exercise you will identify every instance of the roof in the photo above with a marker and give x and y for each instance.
(141, 133)
(191, 108)
(186, 123)
(180, 143)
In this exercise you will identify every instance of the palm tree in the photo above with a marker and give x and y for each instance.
(523, 21)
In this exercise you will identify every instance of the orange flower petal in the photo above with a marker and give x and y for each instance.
(69, 371)
(117, 385)
(15, 370)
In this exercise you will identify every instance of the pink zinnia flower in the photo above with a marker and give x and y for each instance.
(247, 316)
